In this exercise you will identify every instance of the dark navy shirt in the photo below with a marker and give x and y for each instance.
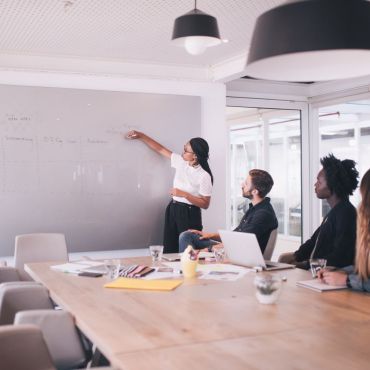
(260, 220)
(335, 239)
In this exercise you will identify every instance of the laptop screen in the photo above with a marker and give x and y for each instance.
(242, 248)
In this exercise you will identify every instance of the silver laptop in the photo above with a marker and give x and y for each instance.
(243, 249)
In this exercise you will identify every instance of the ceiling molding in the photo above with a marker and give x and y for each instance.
(261, 89)
(35, 63)
(230, 69)
(210, 90)
(323, 89)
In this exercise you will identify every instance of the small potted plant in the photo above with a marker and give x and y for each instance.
(268, 288)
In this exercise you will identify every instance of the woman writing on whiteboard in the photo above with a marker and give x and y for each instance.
(192, 187)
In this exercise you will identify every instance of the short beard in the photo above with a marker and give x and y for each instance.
(248, 195)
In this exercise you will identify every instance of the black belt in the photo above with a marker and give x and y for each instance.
(183, 204)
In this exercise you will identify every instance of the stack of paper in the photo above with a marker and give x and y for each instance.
(222, 271)
(215, 271)
(80, 266)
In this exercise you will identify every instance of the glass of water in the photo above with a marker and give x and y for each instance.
(219, 254)
(156, 251)
(112, 267)
(316, 264)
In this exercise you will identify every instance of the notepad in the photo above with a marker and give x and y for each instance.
(126, 283)
(80, 266)
(319, 286)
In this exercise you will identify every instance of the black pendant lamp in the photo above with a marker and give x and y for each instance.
(312, 40)
(196, 31)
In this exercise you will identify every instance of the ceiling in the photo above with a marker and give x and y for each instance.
(123, 36)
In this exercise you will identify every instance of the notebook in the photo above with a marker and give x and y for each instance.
(319, 286)
(126, 283)
(243, 249)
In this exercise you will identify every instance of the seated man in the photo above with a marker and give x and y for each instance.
(260, 218)
(335, 239)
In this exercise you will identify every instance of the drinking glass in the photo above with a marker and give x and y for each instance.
(316, 264)
(156, 251)
(112, 267)
(219, 254)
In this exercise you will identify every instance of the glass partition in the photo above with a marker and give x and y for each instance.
(268, 139)
(344, 130)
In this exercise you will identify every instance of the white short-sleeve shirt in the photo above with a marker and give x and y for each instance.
(193, 180)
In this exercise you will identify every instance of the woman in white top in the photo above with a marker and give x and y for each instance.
(192, 187)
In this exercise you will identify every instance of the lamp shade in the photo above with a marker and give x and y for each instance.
(312, 40)
(196, 31)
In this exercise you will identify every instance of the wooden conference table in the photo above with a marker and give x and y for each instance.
(206, 324)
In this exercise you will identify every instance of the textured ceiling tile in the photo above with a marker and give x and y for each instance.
(123, 30)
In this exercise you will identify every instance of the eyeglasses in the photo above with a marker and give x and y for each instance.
(187, 151)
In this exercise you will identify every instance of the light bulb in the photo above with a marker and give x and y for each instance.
(195, 45)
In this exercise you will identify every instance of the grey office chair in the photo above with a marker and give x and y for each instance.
(61, 336)
(38, 248)
(8, 273)
(270, 246)
(23, 347)
(14, 298)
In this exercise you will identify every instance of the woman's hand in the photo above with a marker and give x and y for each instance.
(152, 144)
(132, 135)
(333, 277)
(178, 193)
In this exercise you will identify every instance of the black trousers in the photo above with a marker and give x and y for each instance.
(179, 217)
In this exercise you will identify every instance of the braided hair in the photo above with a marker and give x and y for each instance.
(200, 148)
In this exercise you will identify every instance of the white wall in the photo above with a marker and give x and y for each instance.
(213, 115)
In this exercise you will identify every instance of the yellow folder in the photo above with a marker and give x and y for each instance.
(127, 283)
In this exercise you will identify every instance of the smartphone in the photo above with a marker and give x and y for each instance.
(90, 274)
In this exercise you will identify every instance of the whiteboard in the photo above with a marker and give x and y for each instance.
(64, 166)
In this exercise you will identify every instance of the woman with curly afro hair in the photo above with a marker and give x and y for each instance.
(335, 238)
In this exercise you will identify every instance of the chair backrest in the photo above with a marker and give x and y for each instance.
(23, 347)
(14, 298)
(60, 334)
(270, 246)
(38, 248)
(8, 274)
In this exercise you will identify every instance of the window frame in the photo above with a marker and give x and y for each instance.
(306, 147)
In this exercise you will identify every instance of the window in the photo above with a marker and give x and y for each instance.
(269, 139)
(344, 130)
